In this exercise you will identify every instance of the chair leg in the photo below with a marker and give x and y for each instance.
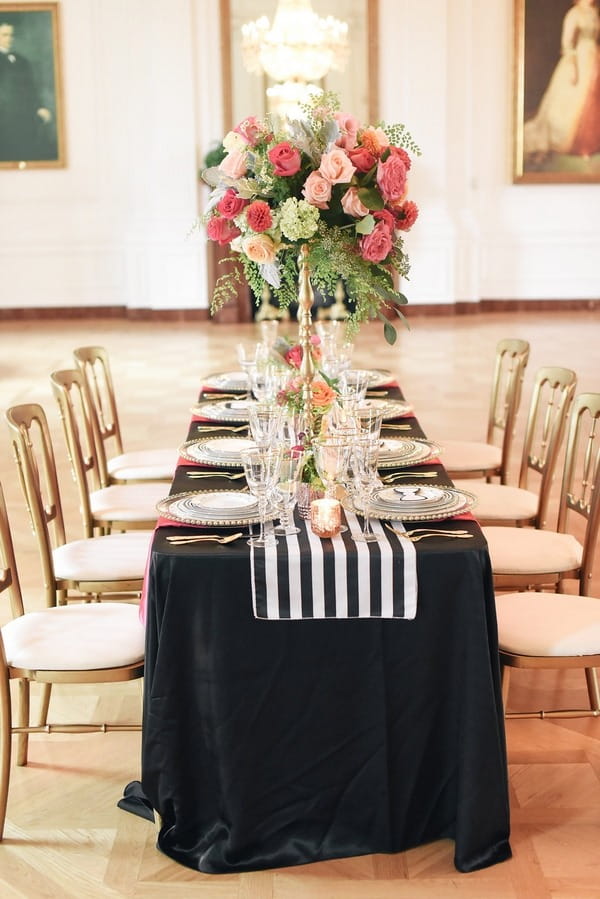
(46, 691)
(23, 721)
(5, 746)
(592, 686)
(505, 683)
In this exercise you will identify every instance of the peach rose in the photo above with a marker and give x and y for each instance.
(317, 191)
(234, 164)
(259, 248)
(322, 394)
(352, 205)
(336, 167)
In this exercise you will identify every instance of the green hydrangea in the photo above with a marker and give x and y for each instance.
(299, 220)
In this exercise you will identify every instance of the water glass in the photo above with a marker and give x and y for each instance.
(261, 470)
(285, 491)
(353, 384)
(365, 456)
(264, 420)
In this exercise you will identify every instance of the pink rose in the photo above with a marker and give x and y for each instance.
(285, 158)
(362, 159)
(230, 204)
(336, 167)
(407, 215)
(259, 216)
(391, 177)
(250, 130)
(222, 230)
(293, 357)
(348, 126)
(259, 248)
(401, 152)
(352, 205)
(317, 191)
(374, 247)
(385, 216)
(234, 164)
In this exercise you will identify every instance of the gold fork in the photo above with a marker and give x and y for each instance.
(385, 427)
(199, 538)
(417, 534)
(390, 478)
(215, 474)
(222, 428)
(209, 395)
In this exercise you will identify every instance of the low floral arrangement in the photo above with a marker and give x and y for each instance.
(323, 396)
(325, 181)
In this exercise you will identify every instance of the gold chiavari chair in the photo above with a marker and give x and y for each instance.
(121, 467)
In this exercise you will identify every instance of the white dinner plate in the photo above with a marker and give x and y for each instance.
(227, 380)
(211, 507)
(391, 408)
(396, 452)
(216, 450)
(418, 502)
(223, 410)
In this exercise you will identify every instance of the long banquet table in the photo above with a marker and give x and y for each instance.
(275, 743)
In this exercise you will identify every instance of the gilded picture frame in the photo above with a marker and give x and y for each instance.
(244, 93)
(556, 91)
(31, 99)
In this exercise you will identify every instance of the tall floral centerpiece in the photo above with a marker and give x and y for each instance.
(309, 202)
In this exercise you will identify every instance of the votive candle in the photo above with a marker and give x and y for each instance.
(325, 517)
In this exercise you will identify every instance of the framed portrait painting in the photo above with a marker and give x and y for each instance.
(31, 107)
(557, 91)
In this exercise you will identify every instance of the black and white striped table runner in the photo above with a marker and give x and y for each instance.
(305, 577)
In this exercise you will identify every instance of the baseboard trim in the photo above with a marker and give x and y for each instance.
(192, 315)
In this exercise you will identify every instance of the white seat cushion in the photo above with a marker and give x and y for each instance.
(128, 502)
(79, 637)
(115, 557)
(149, 465)
(464, 455)
(499, 501)
(548, 624)
(522, 550)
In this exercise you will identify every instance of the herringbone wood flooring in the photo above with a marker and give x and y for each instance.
(65, 836)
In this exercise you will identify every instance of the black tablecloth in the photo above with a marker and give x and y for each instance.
(273, 743)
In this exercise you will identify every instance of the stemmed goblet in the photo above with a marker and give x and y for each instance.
(285, 490)
(365, 455)
(261, 469)
(264, 420)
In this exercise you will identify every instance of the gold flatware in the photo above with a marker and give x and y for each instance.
(385, 427)
(390, 478)
(416, 534)
(374, 393)
(209, 395)
(199, 538)
(235, 430)
(215, 474)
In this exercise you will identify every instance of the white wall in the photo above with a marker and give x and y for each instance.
(142, 98)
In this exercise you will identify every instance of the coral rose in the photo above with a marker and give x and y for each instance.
(259, 216)
(285, 158)
(317, 190)
(234, 165)
(374, 247)
(401, 152)
(322, 394)
(231, 204)
(259, 248)
(294, 355)
(335, 167)
(352, 205)
(362, 159)
(348, 126)
(391, 177)
(221, 230)
(385, 216)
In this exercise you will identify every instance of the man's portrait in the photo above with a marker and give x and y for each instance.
(30, 90)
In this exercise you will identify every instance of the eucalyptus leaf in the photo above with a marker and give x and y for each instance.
(365, 225)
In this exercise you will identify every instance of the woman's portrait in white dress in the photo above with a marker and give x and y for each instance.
(561, 110)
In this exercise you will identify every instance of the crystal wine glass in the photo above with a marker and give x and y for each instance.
(285, 491)
(261, 468)
(264, 420)
(365, 455)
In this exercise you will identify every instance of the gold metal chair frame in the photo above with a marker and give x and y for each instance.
(9, 582)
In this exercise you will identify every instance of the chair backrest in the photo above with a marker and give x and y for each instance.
(9, 578)
(512, 356)
(87, 465)
(580, 490)
(93, 363)
(551, 399)
(34, 455)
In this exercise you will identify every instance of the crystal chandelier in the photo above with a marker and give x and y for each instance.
(300, 47)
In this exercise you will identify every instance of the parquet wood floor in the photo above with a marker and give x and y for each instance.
(66, 838)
